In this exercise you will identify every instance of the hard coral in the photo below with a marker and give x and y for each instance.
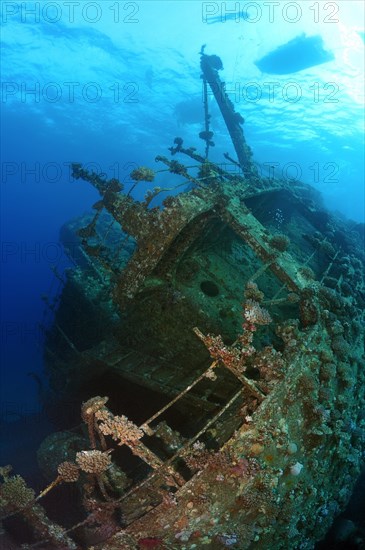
(93, 462)
(69, 471)
(118, 427)
(255, 314)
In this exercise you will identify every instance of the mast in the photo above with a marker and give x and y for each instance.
(210, 65)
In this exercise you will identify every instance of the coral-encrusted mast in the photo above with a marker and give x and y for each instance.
(210, 65)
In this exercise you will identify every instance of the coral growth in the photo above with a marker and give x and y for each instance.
(242, 354)
(280, 242)
(143, 174)
(93, 462)
(17, 498)
(68, 471)
(255, 314)
(252, 292)
(119, 428)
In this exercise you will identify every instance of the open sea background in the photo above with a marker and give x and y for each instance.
(110, 85)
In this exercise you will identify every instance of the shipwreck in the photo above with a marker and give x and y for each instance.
(215, 345)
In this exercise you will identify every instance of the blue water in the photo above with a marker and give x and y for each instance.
(111, 84)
